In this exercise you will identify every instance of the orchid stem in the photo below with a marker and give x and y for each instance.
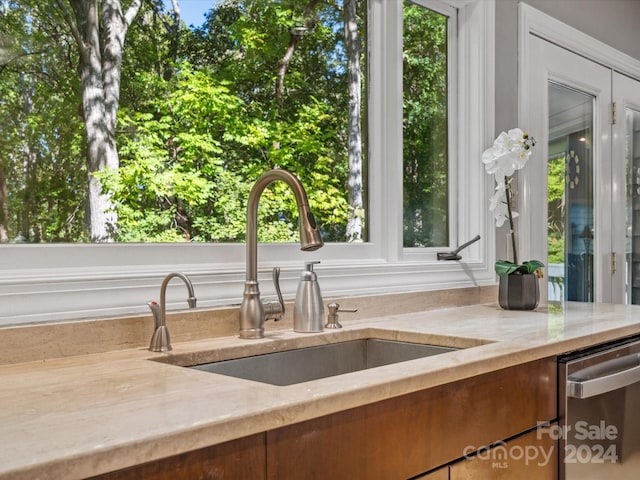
(507, 185)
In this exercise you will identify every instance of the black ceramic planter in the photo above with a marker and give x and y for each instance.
(519, 291)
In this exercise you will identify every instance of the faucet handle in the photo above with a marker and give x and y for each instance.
(332, 317)
(276, 283)
(275, 310)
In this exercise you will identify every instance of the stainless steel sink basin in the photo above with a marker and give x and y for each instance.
(311, 363)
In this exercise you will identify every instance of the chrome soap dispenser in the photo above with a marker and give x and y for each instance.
(308, 311)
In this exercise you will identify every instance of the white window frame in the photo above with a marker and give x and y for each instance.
(64, 282)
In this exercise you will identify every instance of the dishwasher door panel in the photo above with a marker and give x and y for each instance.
(600, 433)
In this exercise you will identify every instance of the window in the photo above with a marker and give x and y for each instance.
(426, 126)
(201, 112)
(61, 281)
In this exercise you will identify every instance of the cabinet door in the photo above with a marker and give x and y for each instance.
(240, 459)
(531, 456)
(405, 436)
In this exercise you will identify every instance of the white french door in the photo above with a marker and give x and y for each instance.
(581, 193)
(626, 188)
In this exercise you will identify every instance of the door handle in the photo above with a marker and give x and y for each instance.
(604, 377)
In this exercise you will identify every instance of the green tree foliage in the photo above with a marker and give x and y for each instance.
(191, 150)
(41, 149)
(201, 115)
(556, 184)
(173, 183)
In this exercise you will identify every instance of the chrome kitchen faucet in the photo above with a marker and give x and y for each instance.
(254, 312)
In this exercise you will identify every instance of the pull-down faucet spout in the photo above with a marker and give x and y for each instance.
(252, 311)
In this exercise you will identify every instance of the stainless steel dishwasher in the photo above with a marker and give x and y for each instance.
(599, 408)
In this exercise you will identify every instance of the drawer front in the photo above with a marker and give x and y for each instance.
(528, 457)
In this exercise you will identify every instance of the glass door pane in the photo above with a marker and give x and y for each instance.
(570, 219)
(632, 157)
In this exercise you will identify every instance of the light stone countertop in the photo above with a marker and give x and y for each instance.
(85, 415)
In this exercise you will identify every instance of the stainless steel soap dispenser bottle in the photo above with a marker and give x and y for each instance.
(308, 311)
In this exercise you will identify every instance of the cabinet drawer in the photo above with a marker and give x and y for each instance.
(528, 457)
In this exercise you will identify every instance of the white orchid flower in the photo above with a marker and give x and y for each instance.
(499, 196)
(501, 214)
(498, 205)
(510, 152)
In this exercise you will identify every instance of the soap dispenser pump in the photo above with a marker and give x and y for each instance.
(308, 311)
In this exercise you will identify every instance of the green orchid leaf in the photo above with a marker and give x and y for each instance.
(532, 265)
(505, 267)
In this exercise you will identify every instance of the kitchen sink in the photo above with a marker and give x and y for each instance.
(311, 363)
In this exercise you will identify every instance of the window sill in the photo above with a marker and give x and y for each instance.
(68, 293)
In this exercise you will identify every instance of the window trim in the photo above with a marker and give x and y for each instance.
(64, 282)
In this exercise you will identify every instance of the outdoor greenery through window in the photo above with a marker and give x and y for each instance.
(132, 130)
(425, 127)
(120, 123)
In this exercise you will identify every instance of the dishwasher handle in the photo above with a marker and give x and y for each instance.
(604, 377)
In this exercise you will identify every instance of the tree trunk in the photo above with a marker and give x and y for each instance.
(100, 66)
(352, 44)
(4, 208)
(174, 34)
(294, 38)
(173, 31)
(295, 35)
(29, 163)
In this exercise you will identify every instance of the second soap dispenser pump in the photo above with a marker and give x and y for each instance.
(308, 310)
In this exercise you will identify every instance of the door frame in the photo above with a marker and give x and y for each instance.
(532, 22)
(555, 64)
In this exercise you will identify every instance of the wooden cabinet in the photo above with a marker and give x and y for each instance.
(405, 436)
(399, 438)
(240, 459)
(527, 457)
